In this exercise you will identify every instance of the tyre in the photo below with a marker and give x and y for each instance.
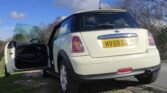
(67, 84)
(6, 72)
(147, 78)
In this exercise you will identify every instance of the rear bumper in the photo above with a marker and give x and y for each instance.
(87, 68)
(83, 78)
(87, 65)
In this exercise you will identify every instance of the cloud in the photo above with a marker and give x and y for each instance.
(79, 5)
(17, 15)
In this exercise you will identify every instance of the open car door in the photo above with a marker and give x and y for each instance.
(21, 56)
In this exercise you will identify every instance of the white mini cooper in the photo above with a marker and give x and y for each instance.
(90, 45)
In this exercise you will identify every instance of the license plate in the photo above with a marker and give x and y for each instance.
(112, 43)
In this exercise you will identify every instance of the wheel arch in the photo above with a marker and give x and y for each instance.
(63, 56)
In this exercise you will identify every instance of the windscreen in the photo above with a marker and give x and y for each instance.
(100, 21)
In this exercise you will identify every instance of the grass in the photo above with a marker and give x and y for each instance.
(1, 67)
(8, 85)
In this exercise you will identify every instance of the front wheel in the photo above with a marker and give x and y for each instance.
(66, 82)
(147, 78)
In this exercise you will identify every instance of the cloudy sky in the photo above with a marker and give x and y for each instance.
(35, 12)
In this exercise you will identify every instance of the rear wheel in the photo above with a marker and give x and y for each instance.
(147, 78)
(66, 82)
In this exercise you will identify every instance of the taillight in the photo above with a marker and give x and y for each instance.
(151, 39)
(76, 45)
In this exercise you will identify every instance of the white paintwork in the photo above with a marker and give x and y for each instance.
(96, 49)
(111, 10)
(64, 43)
(9, 59)
(87, 65)
(97, 60)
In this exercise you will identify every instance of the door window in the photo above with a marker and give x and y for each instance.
(28, 33)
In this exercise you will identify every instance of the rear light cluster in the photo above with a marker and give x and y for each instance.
(151, 39)
(76, 45)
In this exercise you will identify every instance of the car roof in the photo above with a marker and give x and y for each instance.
(96, 11)
(60, 19)
(89, 11)
(101, 10)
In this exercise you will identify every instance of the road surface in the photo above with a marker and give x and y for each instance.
(51, 84)
(162, 79)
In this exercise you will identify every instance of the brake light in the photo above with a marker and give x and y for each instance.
(125, 70)
(151, 39)
(76, 45)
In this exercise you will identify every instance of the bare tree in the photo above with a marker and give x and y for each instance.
(148, 13)
(48, 30)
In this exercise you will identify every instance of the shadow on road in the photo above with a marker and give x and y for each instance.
(90, 87)
(96, 86)
(106, 85)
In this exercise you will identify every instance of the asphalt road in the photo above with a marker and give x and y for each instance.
(162, 79)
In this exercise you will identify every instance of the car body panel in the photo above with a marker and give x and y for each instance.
(87, 65)
(95, 45)
(9, 58)
(20, 56)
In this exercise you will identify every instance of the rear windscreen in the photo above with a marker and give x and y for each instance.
(100, 21)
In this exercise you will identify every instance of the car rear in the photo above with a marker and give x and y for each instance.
(110, 44)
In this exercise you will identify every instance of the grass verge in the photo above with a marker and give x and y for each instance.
(8, 84)
(1, 67)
